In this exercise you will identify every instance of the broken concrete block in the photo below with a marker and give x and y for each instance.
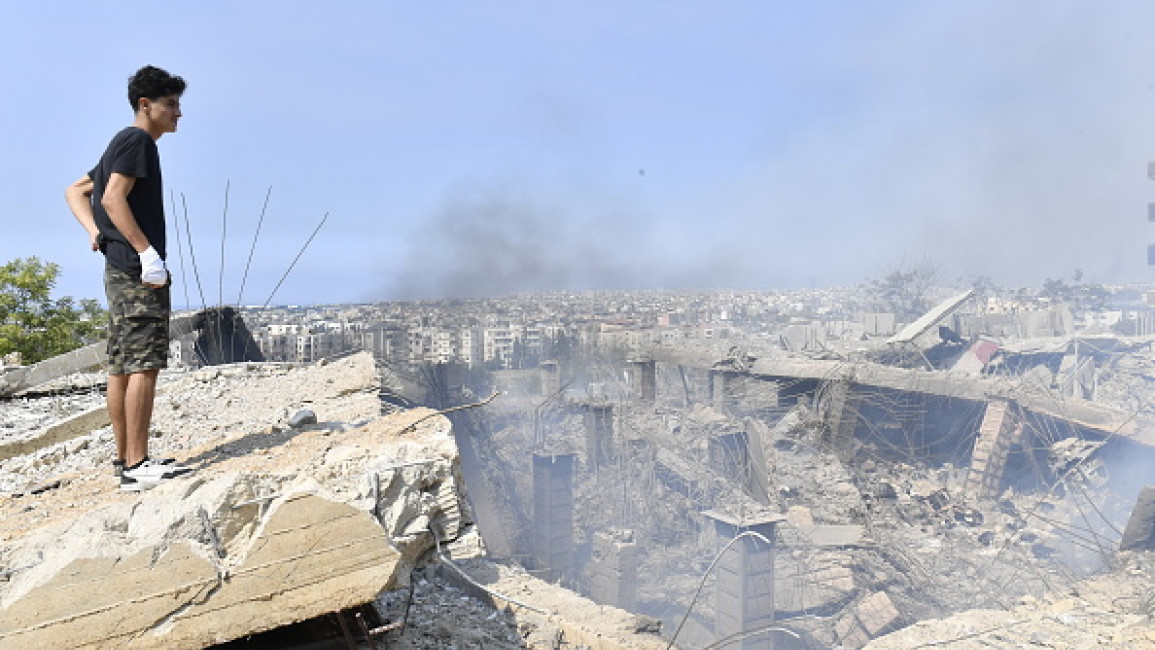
(302, 418)
(871, 617)
(282, 527)
(68, 429)
(1140, 531)
(109, 602)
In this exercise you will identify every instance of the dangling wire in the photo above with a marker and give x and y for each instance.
(249, 263)
(221, 279)
(179, 248)
(261, 220)
(706, 574)
(224, 235)
(302, 251)
(192, 253)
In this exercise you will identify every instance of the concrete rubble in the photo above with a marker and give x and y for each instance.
(1114, 610)
(963, 493)
(277, 525)
(307, 500)
(905, 493)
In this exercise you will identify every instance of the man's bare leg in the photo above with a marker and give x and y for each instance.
(117, 385)
(139, 394)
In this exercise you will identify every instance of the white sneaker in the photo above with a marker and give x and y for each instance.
(149, 473)
(118, 465)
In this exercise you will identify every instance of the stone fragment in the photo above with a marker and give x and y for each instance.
(301, 418)
(871, 617)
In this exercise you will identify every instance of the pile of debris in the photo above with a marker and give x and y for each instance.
(306, 501)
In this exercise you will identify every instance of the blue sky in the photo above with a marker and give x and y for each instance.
(475, 149)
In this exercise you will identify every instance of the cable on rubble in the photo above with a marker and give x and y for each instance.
(706, 574)
(741, 636)
(477, 584)
(413, 425)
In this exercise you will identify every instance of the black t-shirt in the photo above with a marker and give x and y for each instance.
(132, 152)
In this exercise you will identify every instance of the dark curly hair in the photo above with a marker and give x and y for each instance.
(153, 83)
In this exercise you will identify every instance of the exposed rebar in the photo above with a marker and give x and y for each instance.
(294, 263)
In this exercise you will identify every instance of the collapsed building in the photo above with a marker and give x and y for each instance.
(749, 498)
(841, 497)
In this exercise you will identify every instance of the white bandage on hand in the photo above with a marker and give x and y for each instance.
(152, 270)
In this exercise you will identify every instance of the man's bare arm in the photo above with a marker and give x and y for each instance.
(115, 202)
(79, 197)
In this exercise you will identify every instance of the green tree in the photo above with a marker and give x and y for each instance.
(34, 324)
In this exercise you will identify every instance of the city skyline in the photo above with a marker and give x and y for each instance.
(470, 152)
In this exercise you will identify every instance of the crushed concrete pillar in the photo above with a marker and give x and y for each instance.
(840, 414)
(871, 617)
(645, 377)
(729, 456)
(599, 434)
(1140, 532)
(998, 431)
(727, 388)
(614, 569)
(744, 599)
(553, 513)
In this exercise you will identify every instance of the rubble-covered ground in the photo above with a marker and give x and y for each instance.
(236, 416)
(1036, 567)
(927, 548)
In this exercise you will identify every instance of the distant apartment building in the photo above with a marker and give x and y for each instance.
(472, 347)
(306, 343)
(385, 341)
(278, 342)
(498, 343)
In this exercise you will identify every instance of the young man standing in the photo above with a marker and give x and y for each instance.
(121, 205)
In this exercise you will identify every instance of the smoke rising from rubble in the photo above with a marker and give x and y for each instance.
(1021, 161)
(496, 242)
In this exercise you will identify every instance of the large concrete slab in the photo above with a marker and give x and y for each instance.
(1079, 412)
(275, 526)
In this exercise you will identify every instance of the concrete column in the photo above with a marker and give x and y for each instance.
(1140, 532)
(729, 455)
(997, 433)
(645, 376)
(745, 589)
(614, 569)
(553, 513)
(727, 389)
(841, 415)
(599, 434)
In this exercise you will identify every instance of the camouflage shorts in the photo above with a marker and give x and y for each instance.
(137, 323)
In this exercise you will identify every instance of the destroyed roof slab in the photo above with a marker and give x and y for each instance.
(930, 318)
